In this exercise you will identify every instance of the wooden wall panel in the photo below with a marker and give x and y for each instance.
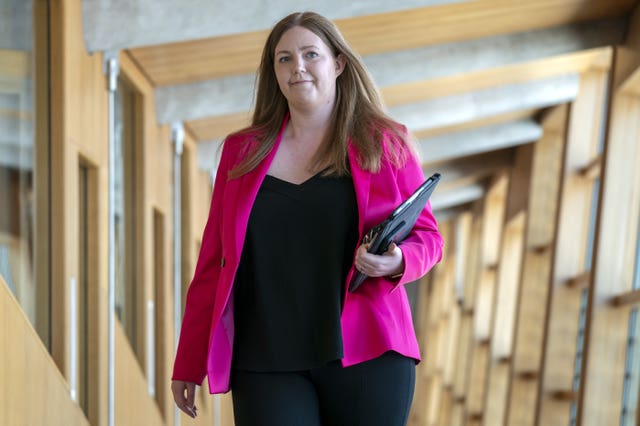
(133, 406)
(78, 133)
(33, 391)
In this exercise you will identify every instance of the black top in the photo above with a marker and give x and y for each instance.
(288, 291)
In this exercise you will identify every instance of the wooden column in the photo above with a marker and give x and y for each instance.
(508, 287)
(570, 274)
(536, 269)
(617, 233)
(492, 227)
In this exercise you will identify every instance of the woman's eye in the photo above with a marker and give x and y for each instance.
(283, 59)
(312, 54)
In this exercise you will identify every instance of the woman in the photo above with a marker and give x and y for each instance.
(268, 314)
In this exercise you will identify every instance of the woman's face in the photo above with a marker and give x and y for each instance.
(306, 69)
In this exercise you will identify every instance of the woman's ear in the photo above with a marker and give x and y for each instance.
(341, 62)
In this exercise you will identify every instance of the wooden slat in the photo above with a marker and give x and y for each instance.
(239, 54)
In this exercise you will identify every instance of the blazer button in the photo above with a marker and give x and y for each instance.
(222, 262)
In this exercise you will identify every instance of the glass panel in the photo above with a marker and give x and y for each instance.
(631, 373)
(82, 287)
(593, 213)
(19, 78)
(577, 369)
(186, 251)
(124, 210)
(160, 320)
(605, 115)
(636, 272)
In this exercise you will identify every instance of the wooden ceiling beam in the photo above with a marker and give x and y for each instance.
(577, 62)
(216, 127)
(203, 59)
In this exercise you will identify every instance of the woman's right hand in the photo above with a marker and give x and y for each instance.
(184, 395)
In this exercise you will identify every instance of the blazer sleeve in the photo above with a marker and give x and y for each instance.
(422, 248)
(191, 356)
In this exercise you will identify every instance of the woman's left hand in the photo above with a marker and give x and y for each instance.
(389, 263)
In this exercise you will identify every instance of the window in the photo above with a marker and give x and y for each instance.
(636, 271)
(125, 212)
(157, 355)
(84, 328)
(631, 373)
(83, 282)
(577, 368)
(24, 160)
(592, 223)
(591, 232)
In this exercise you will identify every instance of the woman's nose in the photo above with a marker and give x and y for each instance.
(298, 65)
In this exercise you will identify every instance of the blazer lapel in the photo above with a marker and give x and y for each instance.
(361, 183)
(245, 191)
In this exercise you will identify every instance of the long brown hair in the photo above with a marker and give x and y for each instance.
(357, 114)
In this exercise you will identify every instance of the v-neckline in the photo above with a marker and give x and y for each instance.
(301, 184)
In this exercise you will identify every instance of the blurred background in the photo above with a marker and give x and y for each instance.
(530, 110)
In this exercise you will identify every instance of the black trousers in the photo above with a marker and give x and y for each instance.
(373, 393)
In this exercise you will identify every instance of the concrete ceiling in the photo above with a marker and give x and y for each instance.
(469, 78)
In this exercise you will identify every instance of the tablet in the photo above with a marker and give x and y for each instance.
(397, 225)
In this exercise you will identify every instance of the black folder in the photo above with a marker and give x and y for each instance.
(397, 225)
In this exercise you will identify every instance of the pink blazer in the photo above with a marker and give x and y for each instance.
(376, 318)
